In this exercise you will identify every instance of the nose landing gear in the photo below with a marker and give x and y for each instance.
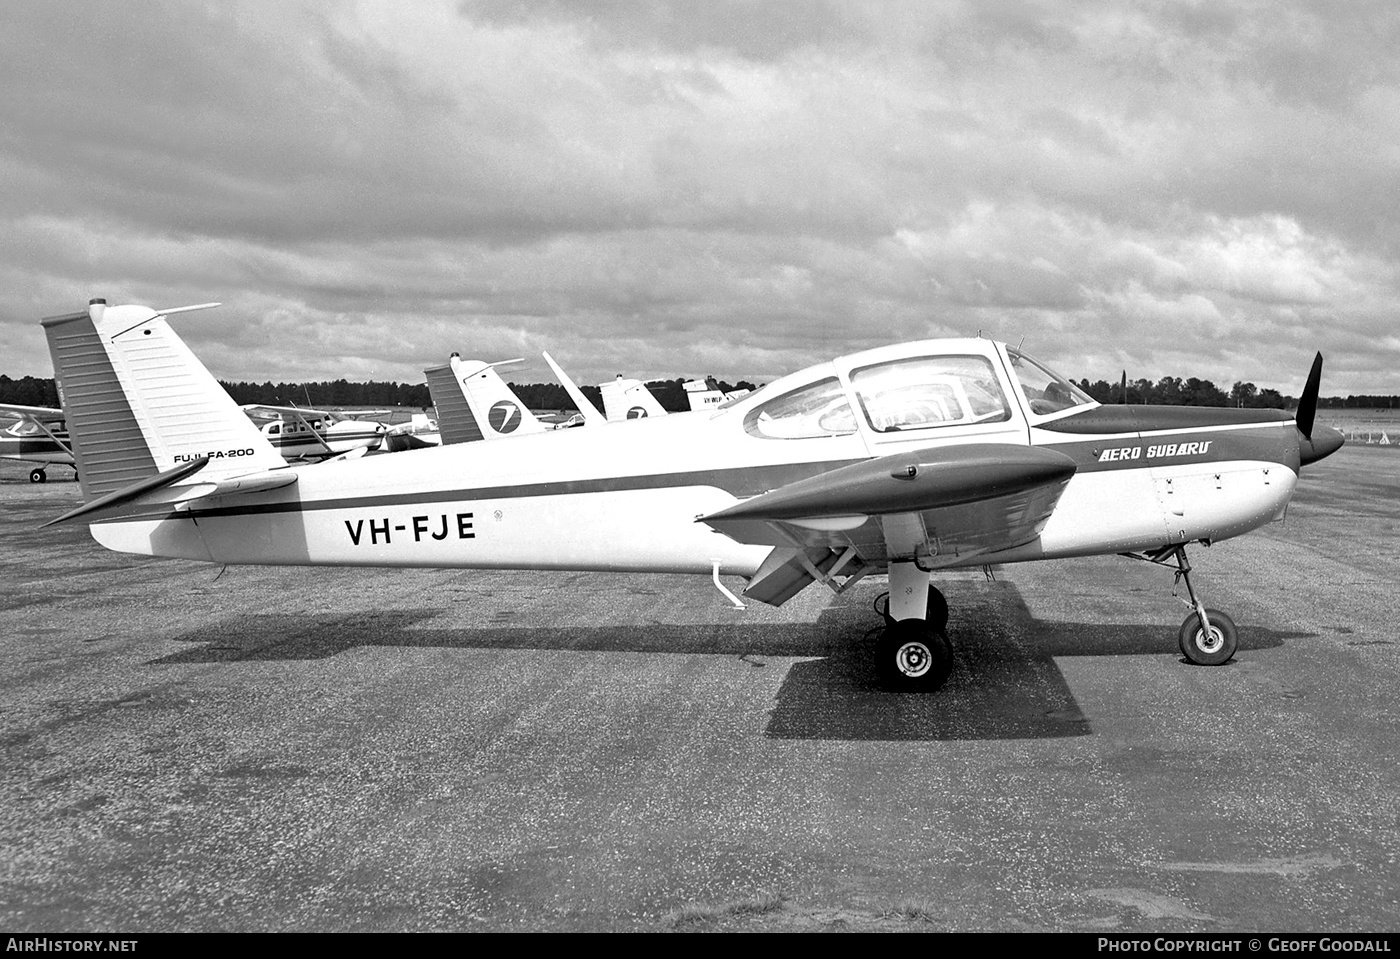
(1208, 637)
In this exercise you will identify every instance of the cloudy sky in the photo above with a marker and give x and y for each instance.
(735, 187)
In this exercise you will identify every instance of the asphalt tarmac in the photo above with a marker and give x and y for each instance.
(268, 749)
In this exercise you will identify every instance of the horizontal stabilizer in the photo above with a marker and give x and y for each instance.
(128, 494)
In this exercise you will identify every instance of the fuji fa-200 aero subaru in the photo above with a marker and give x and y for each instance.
(903, 460)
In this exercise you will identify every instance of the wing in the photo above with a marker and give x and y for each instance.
(263, 411)
(31, 414)
(939, 507)
(590, 412)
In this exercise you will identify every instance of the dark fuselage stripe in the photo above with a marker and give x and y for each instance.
(1245, 444)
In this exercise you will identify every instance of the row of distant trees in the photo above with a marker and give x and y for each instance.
(1174, 391)
(1168, 391)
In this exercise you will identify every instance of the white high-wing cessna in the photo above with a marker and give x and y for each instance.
(302, 433)
(904, 460)
(37, 435)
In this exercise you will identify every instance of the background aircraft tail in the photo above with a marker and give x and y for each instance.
(625, 399)
(456, 424)
(473, 402)
(138, 403)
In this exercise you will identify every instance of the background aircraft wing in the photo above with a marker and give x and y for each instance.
(262, 411)
(31, 414)
(591, 416)
(938, 506)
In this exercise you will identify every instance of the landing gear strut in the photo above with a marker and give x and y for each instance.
(1208, 637)
(912, 649)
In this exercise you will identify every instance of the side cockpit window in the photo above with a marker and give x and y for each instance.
(820, 409)
(926, 392)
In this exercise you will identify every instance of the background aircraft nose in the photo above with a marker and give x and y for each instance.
(1324, 442)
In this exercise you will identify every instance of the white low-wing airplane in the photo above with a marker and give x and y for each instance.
(37, 435)
(474, 403)
(625, 399)
(902, 460)
(705, 394)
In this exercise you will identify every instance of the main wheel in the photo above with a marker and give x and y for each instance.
(937, 610)
(37, 475)
(1211, 649)
(913, 657)
(937, 614)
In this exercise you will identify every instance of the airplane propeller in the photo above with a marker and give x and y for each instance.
(1314, 442)
(1307, 406)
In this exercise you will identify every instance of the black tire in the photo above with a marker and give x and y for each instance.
(914, 658)
(937, 614)
(1214, 650)
(937, 611)
(37, 475)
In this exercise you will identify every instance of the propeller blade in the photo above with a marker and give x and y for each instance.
(1123, 388)
(1307, 405)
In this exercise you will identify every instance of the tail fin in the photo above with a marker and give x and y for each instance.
(456, 424)
(139, 403)
(492, 408)
(629, 400)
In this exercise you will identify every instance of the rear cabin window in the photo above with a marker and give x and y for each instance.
(928, 392)
(820, 409)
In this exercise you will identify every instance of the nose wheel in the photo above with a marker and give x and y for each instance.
(1208, 637)
(1209, 645)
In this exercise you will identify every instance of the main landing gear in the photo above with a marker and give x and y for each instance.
(39, 475)
(1208, 637)
(912, 649)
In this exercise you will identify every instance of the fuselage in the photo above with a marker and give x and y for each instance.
(295, 439)
(626, 496)
(28, 443)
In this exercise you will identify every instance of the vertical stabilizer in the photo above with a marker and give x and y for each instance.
(625, 399)
(494, 405)
(138, 402)
(456, 424)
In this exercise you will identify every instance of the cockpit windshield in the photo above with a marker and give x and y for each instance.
(1045, 391)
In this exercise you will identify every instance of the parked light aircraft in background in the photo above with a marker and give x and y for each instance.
(302, 433)
(37, 435)
(474, 403)
(903, 460)
(706, 395)
(625, 399)
(419, 432)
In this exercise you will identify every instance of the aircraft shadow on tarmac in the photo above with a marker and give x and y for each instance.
(1005, 684)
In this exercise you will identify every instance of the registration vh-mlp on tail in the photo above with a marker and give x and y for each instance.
(903, 461)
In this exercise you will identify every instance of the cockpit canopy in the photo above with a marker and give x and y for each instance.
(903, 393)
